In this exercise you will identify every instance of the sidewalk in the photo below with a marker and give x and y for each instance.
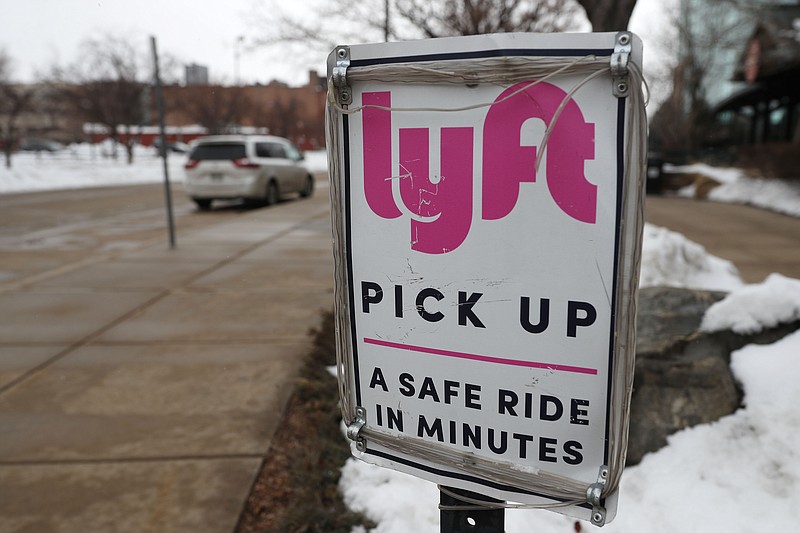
(759, 242)
(141, 392)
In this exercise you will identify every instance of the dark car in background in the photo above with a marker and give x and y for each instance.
(40, 145)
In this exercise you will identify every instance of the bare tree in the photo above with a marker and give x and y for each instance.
(219, 109)
(15, 99)
(104, 87)
(284, 117)
(709, 35)
(476, 17)
(608, 15)
(341, 21)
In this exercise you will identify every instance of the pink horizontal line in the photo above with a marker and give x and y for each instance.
(483, 358)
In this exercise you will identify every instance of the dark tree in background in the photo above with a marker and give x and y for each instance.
(477, 17)
(608, 15)
(220, 109)
(15, 99)
(342, 21)
(105, 87)
(706, 35)
(337, 22)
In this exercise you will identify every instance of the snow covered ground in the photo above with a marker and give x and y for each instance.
(738, 188)
(739, 474)
(86, 165)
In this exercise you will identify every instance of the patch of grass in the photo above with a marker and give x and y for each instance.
(297, 488)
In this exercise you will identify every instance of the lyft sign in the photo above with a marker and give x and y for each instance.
(486, 242)
(441, 210)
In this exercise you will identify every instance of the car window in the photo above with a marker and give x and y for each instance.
(277, 150)
(218, 151)
(293, 153)
(262, 150)
(270, 149)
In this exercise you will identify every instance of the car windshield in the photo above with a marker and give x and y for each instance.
(218, 151)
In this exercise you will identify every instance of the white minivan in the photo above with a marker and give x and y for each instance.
(260, 168)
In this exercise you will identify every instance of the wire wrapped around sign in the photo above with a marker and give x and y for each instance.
(502, 72)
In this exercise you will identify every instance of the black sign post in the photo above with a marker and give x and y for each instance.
(458, 515)
(163, 141)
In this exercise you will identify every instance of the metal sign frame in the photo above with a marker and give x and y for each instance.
(382, 91)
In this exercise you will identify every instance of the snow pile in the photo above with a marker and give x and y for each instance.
(756, 307)
(775, 195)
(398, 503)
(739, 474)
(720, 174)
(670, 259)
(316, 160)
(737, 188)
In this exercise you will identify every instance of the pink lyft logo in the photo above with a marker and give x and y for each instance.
(441, 208)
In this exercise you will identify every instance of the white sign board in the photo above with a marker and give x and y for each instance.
(486, 304)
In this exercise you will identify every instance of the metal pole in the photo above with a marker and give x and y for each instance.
(163, 137)
(476, 520)
(386, 21)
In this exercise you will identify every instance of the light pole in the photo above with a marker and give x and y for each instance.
(236, 55)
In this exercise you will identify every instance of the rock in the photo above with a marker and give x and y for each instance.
(682, 376)
(667, 314)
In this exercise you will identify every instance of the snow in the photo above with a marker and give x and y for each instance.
(755, 307)
(670, 259)
(87, 165)
(738, 188)
(739, 474)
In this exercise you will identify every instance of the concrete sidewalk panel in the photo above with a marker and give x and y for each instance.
(231, 316)
(62, 316)
(16, 360)
(122, 402)
(292, 247)
(128, 275)
(251, 229)
(187, 251)
(272, 274)
(134, 497)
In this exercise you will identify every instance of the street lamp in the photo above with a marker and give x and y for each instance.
(236, 55)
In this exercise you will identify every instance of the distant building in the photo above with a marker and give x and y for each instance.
(196, 74)
(766, 108)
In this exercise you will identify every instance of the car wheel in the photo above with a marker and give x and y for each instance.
(272, 194)
(203, 204)
(308, 190)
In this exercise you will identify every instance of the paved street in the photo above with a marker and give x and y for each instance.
(140, 387)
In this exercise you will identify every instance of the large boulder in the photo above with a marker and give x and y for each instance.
(682, 376)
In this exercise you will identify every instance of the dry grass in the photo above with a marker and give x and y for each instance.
(297, 488)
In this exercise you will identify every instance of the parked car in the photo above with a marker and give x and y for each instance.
(40, 145)
(176, 147)
(254, 168)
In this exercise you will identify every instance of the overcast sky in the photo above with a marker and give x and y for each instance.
(40, 33)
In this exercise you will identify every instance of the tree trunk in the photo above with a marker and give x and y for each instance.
(608, 15)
